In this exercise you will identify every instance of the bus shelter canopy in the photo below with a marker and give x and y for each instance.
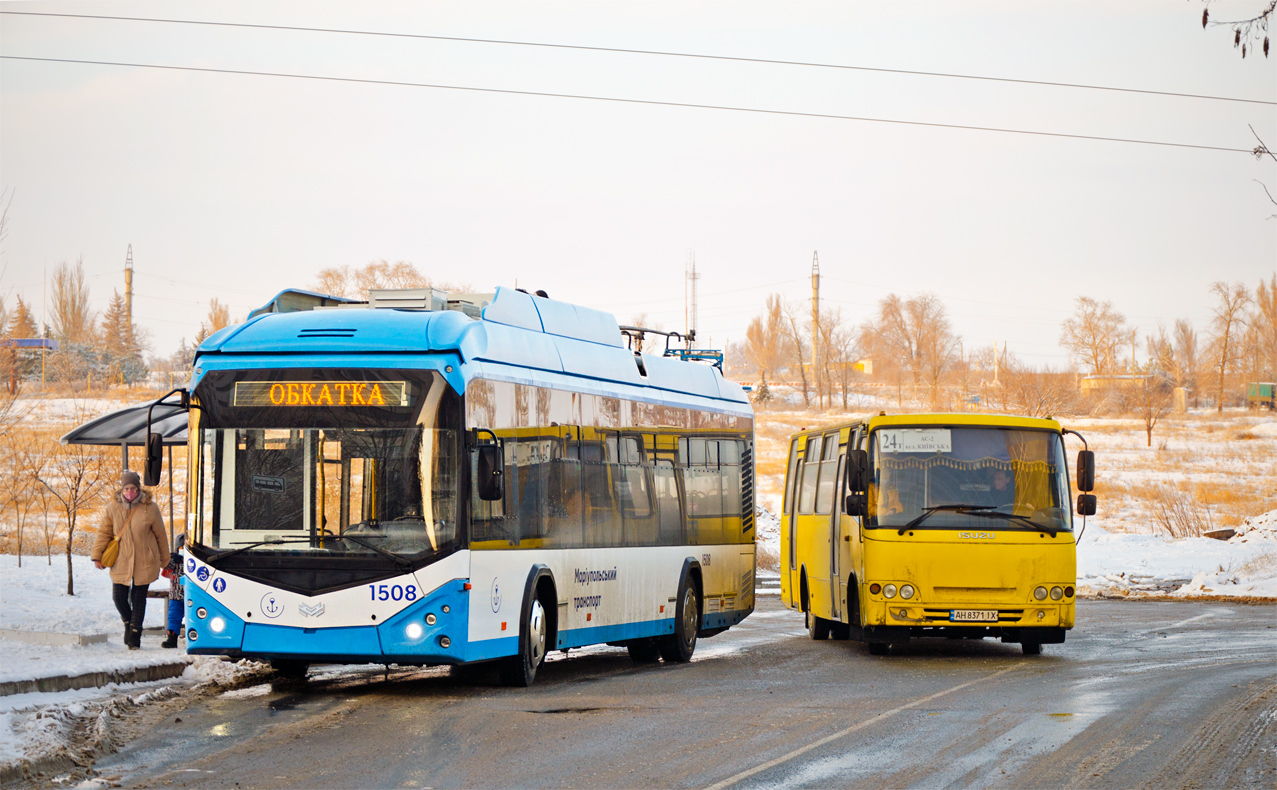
(128, 427)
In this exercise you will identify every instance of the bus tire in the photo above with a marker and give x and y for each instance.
(840, 631)
(520, 670)
(817, 627)
(290, 668)
(677, 648)
(879, 648)
(644, 651)
(1031, 648)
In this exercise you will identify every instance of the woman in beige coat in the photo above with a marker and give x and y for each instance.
(135, 519)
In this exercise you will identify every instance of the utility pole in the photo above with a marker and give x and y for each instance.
(689, 299)
(128, 287)
(815, 322)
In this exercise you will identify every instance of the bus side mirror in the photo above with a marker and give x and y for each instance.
(857, 472)
(857, 504)
(154, 459)
(490, 482)
(1085, 470)
(1086, 504)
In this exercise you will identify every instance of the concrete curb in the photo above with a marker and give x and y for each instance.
(92, 679)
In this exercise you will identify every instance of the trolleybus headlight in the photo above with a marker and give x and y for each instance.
(906, 592)
(445, 642)
(201, 613)
(192, 635)
(1068, 592)
(1040, 593)
(430, 619)
(1056, 593)
(217, 624)
(414, 630)
(889, 591)
(875, 588)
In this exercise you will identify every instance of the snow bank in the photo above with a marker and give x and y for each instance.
(35, 598)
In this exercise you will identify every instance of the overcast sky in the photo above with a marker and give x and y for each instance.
(236, 186)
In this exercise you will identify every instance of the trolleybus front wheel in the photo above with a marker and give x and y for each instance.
(520, 670)
(677, 648)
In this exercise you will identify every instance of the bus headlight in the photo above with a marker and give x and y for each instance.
(192, 635)
(430, 619)
(217, 624)
(414, 630)
(1040, 593)
(889, 591)
(201, 613)
(1056, 593)
(906, 592)
(445, 642)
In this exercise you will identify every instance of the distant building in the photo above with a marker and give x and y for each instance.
(1113, 381)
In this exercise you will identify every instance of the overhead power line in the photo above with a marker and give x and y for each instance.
(623, 100)
(654, 52)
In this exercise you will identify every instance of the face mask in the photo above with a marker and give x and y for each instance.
(130, 495)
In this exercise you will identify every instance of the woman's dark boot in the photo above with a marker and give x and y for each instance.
(134, 639)
(170, 640)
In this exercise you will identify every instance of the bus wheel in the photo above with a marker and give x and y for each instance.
(644, 651)
(677, 648)
(520, 670)
(1031, 648)
(817, 627)
(840, 630)
(290, 669)
(879, 648)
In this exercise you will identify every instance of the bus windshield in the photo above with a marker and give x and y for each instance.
(374, 479)
(985, 477)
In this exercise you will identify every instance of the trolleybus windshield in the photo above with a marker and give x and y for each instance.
(328, 463)
(950, 477)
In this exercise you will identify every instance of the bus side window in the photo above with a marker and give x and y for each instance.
(810, 471)
(791, 476)
(825, 488)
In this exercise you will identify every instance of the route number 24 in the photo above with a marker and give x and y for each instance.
(392, 592)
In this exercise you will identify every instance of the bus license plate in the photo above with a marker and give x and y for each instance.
(973, 616)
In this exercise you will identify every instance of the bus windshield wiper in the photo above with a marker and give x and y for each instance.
(927, 511)
(1024, 520)
(221, 555)
(400, 561)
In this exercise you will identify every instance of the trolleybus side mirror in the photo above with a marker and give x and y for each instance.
(1085, 470)
(1086, 504)
(490, 480)
(154, 459)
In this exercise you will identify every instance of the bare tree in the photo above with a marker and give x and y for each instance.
(916, 335)
(1229, 318)
(355, 283)
(766, 339)
(1186, 354)
(796, 343)
(1150, 401)
(1094, 334)
(842, 349)
(1264, 320)
(79, 474)
(1033, 392)
(18, 448)
(72, 317)
(1246, 32)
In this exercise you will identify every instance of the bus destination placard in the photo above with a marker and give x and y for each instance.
(338, 394)
(914, 440)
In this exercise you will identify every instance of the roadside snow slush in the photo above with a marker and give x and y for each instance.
(49, 735)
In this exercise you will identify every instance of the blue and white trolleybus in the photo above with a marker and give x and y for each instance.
(429, 479)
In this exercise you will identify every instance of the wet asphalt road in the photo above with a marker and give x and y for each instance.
(1154, 695)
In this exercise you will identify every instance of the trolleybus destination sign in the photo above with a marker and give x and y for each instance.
(321, 393)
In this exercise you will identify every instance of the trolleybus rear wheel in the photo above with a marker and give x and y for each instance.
(644, 651)
(677, 648)
(520, 670)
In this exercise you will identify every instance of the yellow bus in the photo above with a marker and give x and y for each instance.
(945, 525)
